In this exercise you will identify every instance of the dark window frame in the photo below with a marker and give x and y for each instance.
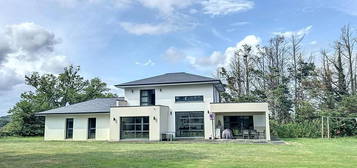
(189, 124)
(196, 98)
(141, 122)
(69, 130)
(92, 130)
(150, 95)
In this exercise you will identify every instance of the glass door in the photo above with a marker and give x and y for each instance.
(189, 124)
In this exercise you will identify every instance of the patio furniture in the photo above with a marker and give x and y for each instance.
(168, 136)
(253, 134)
(245, 134)
(261, 134)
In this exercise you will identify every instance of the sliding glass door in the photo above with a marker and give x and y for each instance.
(238, 123)
(134, 128)
(189, 124)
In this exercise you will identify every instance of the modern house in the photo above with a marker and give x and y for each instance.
(178, 104)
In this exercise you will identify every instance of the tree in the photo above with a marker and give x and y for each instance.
(348, 45)
(51, 91)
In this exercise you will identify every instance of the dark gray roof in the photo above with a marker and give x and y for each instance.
(99, 105)
(171, 78)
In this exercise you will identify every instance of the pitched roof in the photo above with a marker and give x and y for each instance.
(99, 105)
(171, 78)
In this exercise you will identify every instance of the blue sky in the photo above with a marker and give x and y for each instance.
(123, 40)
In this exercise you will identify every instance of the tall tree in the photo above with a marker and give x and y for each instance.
(51, 91)
(347, 44)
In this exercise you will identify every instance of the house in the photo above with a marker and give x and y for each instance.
(181, 105)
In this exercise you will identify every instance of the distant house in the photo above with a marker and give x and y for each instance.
(178, 105)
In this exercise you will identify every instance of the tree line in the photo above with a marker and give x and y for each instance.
(297, 87)
(51, 91)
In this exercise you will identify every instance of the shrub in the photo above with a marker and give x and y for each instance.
(303, 129)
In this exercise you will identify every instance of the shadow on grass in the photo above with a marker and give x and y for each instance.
(134, 158)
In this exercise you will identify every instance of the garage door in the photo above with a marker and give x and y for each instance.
(134, 128)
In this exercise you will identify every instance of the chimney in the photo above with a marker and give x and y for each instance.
(117, 102)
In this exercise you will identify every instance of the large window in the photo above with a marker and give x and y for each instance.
(69, 128)
(238, 123)
(189, 99)
(134, 127)
(147, 97)
(189, 124)
(91, 128)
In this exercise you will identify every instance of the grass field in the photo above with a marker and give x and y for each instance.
(34, 152)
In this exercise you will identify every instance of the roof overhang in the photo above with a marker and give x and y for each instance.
(217, 83)
(72, 113)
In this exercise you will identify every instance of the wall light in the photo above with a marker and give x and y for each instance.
(154, 118)
(114, 119)
(132, 91)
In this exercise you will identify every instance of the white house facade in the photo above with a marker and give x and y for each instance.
(172, 105)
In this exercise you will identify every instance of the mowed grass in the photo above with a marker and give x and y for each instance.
(34, 152)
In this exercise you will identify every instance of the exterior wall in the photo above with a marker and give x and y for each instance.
(156, 126)
(165, 95)
(55, 127)
(259, 111)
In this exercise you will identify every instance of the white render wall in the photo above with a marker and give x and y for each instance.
(165, 95)
(55, 126)
(157, 120)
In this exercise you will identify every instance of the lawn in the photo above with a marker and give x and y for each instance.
(34, 152)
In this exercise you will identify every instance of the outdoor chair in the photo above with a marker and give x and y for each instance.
(253, 134)
(245, 134)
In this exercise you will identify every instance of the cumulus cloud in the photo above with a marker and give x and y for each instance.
(219, 59)
(26, 48)
(224, 7)
(298, 33)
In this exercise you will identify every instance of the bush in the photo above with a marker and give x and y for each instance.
(303, 129)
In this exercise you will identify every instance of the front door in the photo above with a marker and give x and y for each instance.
(134, 127)
(189, 124)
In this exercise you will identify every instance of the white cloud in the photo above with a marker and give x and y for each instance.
(299, 33)
(224, 7)
(174, 55)
(28, 48)
(166, 7)
(206, 63)
(147, 29)
(149, 62)
(218, 59)
(239, 23)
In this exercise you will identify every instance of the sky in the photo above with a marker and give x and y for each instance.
(124, 40)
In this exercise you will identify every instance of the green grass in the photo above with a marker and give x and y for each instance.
(34, 152)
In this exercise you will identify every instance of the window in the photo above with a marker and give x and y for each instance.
(91, 128)
(134, 128)
(189, 124)
(189, 99)
(147, 97)
(69, 128)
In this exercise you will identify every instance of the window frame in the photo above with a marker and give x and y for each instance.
(143, 124)
(187, 99)
(68, 130)
(150, 97)
(187, 125)
(91, 135)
